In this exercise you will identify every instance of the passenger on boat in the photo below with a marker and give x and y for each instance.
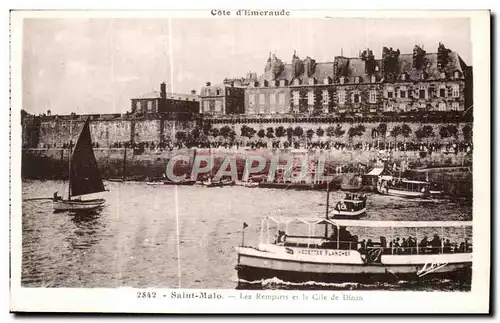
(397, 247)
(383, 242)
(447, 246)
(369, 244)
(281, 237)
(435, 244)
(56, 197)
(404, 246)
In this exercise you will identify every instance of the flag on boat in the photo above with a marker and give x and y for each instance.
(245, 225)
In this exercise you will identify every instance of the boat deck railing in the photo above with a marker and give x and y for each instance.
(397, 250)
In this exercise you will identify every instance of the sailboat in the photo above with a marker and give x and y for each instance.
(84, 177)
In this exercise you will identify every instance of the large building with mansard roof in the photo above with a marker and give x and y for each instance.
(396, 83)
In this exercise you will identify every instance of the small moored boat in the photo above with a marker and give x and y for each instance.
(402, 187)
(350, 207)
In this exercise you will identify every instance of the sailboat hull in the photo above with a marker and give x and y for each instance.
(78, 205)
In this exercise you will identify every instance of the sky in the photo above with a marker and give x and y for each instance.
(98, 65)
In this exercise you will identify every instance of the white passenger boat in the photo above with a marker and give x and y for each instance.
(403, 187)
(344, 257)
(84, 177)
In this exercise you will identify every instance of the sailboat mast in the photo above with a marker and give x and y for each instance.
(327, 207)
(69, 158)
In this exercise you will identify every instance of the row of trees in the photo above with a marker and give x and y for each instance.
(380, 132)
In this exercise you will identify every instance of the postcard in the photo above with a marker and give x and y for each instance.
(250, 161)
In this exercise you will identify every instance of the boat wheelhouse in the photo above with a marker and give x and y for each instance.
(388, 185)
(352, 253)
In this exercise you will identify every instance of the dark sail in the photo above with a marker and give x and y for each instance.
(85, 177)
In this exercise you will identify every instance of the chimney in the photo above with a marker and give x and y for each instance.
(208, 84)
(193, 92)
(163, 90)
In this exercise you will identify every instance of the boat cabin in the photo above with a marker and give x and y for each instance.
(389, 237)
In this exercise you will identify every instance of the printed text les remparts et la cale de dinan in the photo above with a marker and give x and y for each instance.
(342, 296)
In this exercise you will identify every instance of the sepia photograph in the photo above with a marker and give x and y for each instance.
(253, 152)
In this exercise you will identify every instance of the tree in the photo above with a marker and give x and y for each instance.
(261, 133)
(309, 134)
(467, 133)
(214, 132)
(406, 130)
(395, 132)
(289, 133)
(280, 132)
(195, 133)
(180, 136)
(330, 131)
(428, 131)
(270, 133)
(248, 132)
(382, 130)
(338, 132)
(320, 132)
(225, 131)
(298, 131)
(206, 129)
(443, 132)
(453, 131)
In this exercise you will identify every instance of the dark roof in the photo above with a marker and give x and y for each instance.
(355, 66)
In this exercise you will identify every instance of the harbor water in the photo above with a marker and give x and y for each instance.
(184, 237)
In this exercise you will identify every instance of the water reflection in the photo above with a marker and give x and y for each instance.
(169, 236)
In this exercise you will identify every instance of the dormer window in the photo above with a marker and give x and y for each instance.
(342, 80)
(312, 81)
(217, 92)
(403, 77)
(326, 81)
(263, 83)
(373, 79)
(456, 74)
(296, 82)
(442, 75)
(356, 79)
(207, 92)
(283, 83)
(422, 77)
(376, 68)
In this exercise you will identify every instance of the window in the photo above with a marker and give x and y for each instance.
(207, 92)
(390, 92)
(312, 81)
(442, 106)
(218, 106)
(373, 96)
(402, 92)
(251, 99)
(296, 82)
(443, 75)
(217, 92)
(455, 106)
(283, 83)
(138, 106)
(342, 80)
(442, 91)
(356, 79)
(403, 77)
(281, 99)
(150, 106)
(310, 98)
(262, 99)
(356, 98)
(272, 99)
(272, 107)
(376, 68)
(389, 107)
(402, 107)
(326, 97)
(342, 97)
(206, 106)
(296, 98)
(421, 93)
(326, 80)
(457, 74)
(373, 79)
(455, 91)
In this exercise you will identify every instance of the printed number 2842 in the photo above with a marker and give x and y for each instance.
(146, 294)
